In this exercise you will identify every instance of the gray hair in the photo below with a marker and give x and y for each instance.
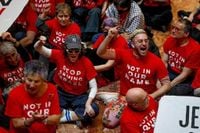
(6, 47)
(36, 67)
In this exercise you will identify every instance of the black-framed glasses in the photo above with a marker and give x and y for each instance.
(70, 51)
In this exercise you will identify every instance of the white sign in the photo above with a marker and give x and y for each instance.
(178, 114)
(9, 11)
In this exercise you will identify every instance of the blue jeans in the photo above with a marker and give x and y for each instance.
(77, 104)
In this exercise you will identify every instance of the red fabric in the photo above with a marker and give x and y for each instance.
(154, 3)
(123, 16)
(2, 130)
(72, 77)
(11, 75)
(178, 56)
(58, 32)
(1, 99)
(193, 60)
(139, 72)
(40, 4)
(139, 121)
(196, 81)
(89, 4)
(20, 104)
(119, 43)
(28, 19)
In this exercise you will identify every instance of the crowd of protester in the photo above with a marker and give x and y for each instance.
(50, 75)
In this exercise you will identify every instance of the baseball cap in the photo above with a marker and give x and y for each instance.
(73, 42)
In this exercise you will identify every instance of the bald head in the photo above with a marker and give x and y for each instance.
(137, 98)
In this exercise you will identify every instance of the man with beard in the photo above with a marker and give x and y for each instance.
(137, 70)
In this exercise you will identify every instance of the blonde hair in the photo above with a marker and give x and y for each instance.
(63, 6)
(136, 32)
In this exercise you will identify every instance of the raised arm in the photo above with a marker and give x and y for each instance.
(102, 50)
(40, 48)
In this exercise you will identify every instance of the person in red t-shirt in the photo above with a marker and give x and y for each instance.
(34, 105)
(39, 6)
(105, 67)
(59, 27)
(74, 72)
(136, 70)
(56, 29)
(23, 30)
(139, 115)
(178, 48)
(11, 74)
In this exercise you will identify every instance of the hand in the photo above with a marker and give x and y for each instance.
(89, 110)
(113, 31)
(38, 117)
(7, 36)
(40, 42)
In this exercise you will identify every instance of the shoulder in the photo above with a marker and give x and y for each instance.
(18, 90)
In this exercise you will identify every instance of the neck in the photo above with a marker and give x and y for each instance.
(183, 41)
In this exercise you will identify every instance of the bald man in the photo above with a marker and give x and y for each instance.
(140, 114)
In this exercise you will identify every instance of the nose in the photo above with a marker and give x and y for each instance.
(31, 84)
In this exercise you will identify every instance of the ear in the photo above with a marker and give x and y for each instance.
(132, 44)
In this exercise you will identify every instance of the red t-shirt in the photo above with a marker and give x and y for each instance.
(88, 4)
(12, 75)
(120, 42)
(72, 77)
(139, 121)
(40, 4)
(21, 104)
(143, 72)
(28, 19)
(58, 32)
(153, 3)
(196, 81)
(178, 56)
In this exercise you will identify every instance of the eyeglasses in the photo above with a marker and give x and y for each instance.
(70, 51)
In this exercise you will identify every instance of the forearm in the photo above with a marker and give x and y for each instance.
(104, 67)
(102, 48)
(22, 122)
(52, 119)
(28, 39)
(93, 88)
(181, 77)
(161, 91)
(42, 49)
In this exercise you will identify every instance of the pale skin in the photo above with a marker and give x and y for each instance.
(137, 99)
(141, 49)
